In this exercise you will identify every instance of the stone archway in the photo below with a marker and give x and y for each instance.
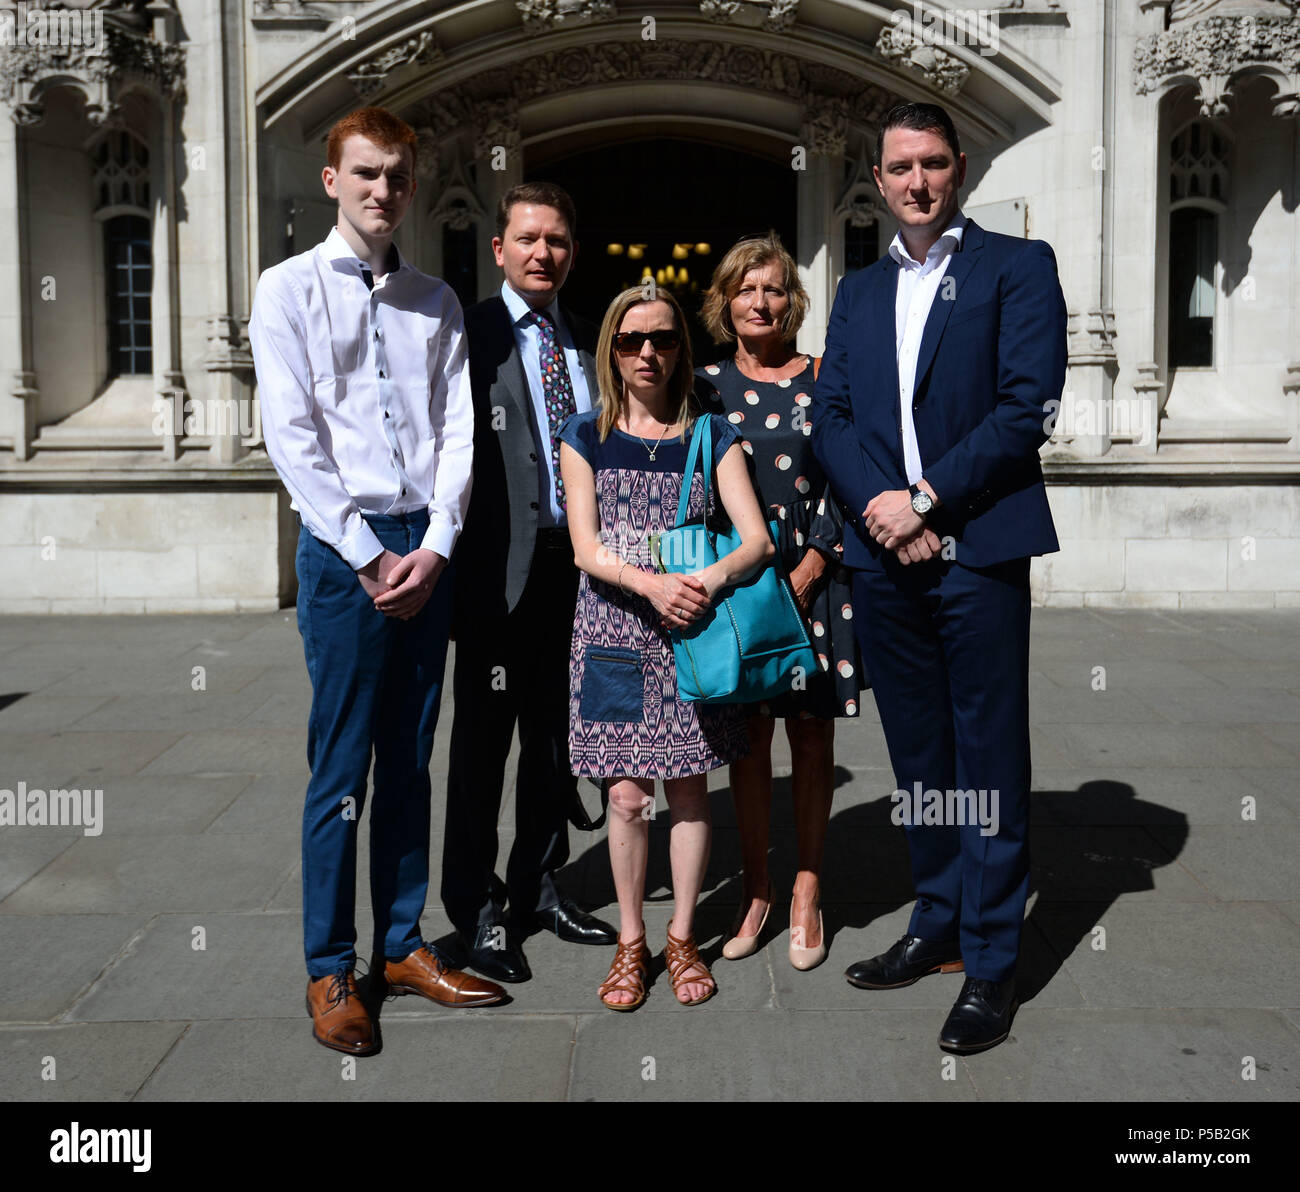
(493, 87)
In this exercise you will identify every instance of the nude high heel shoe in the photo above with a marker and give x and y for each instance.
(740, 946)
(808, 958)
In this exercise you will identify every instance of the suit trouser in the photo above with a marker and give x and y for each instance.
(948, 651)
(508, 671)
(376, 683)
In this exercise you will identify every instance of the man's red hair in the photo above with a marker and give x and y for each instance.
(377, 125)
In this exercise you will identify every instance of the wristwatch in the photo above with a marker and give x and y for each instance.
(922, 502)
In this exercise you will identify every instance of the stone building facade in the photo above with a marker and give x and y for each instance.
(147, 179)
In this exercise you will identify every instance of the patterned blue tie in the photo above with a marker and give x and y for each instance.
(557, 391)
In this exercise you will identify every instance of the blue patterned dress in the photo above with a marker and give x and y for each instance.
(771, 417)
(625, 719)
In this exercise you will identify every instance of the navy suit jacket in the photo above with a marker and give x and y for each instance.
(992, 357)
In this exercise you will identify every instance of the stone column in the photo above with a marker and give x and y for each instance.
(426, 241)
(15, 315)
(499, 165)
(229, 360)
(818, 160)
(169, 379)
(1291, 379)
(1090, 382)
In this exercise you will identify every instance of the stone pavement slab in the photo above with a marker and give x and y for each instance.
(730, 1055)
(237, 751)
(24, 856)
(457, 1057)
(79, 759)
(1122, 1055)
(250, 966)
(268, 804)
(92, 1061)
(1168, 798)
(40, 713)
(1246, 862)
(1176, 746)
(1206, 955)
(64, 955)
(196, 873)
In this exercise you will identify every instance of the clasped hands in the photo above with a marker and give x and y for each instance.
(400, 585)
(892, 522)
(680, 599)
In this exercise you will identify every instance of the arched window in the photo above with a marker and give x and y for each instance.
(859, 212)
(1198, 193)
(121, 171)
(129, 268)
(861, 245)
(121, 178)
(460, 255)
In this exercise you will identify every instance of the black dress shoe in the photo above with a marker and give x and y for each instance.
(980, 1018)
(906, 963)
(572, 925)
(495, 955)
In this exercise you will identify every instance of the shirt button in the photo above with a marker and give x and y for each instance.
(532, 505)
(533, 456)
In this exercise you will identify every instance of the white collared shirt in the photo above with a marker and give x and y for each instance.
(528, 339)
(918, 283)
(365, 396)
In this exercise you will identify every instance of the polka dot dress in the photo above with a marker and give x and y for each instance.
(774, 421)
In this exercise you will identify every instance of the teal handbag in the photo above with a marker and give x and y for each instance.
(752, 643)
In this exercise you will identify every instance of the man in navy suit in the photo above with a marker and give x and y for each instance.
(933, 399)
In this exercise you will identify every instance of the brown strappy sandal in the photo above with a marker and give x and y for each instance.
(630, 960)
(681, 956)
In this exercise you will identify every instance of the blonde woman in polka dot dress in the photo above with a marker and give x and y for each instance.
(757, 303)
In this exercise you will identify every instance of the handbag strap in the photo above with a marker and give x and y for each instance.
(701, 438)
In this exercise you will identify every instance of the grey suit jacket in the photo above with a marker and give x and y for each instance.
(495, 551)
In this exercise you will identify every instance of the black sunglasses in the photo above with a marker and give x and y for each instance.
(630, 343)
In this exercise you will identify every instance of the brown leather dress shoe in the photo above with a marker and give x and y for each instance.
(339, 1020)
(425, 972)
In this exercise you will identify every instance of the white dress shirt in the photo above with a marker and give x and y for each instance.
(918, 283)
(365, 396)
(528, 339)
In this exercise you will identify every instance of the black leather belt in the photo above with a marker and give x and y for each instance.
(554, 538)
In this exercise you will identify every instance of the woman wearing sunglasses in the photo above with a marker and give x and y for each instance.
(757, 303)
(622, 466)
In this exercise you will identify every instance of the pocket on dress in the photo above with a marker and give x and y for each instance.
(612, 685)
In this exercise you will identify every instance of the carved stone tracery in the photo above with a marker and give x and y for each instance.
(539, 16)
(775, 16)
(733, 65)
(370, 77)
(901, 46)
(1215, 52)
(103, 72)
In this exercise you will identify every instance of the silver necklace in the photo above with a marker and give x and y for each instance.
(659, 440)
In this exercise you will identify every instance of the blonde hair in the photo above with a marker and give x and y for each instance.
(752, 253)
(681, 384)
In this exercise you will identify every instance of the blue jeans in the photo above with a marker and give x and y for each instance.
(376, 684)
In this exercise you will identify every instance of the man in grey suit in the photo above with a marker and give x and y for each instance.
(531, 365)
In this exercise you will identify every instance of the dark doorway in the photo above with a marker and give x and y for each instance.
(649, 197)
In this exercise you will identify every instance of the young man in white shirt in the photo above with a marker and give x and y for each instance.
(367, 416)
